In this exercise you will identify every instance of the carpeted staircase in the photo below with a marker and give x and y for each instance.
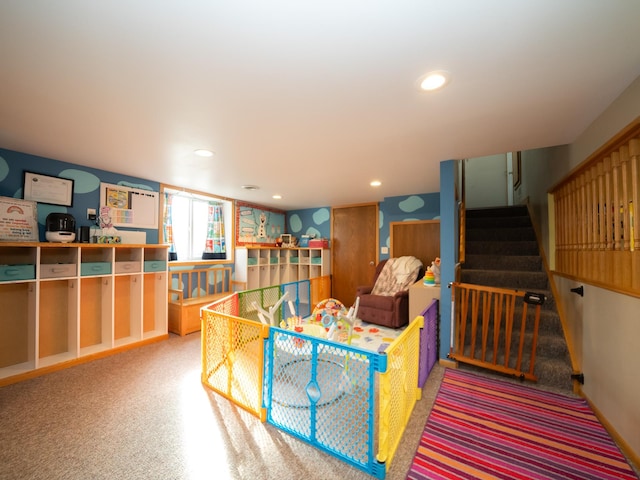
(502, 251)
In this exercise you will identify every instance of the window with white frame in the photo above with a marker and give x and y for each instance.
(199, 226)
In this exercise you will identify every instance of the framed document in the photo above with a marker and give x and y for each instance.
(47, 189)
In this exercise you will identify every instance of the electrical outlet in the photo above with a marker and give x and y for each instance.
(384, 250)
(91, 213)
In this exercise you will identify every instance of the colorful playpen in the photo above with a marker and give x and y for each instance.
(348, 401)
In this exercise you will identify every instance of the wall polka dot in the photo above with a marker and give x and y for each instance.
(83, 182)
(411, 204)
(4, 169)
(140, 186)
(322, 215)
(295, 223)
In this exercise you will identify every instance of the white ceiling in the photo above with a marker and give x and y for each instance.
(308, 99)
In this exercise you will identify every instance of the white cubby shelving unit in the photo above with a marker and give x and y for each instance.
(63, 303)
(260, 267)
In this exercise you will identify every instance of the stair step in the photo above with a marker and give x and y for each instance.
(501, 247)
(513, 211)
(518, 280)
(501, 234)
(501, 262)
(553, 373)
(497, 222)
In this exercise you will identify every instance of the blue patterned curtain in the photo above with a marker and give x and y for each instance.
(168, 226)
(215, 248)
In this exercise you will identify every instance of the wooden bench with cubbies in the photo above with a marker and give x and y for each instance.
(192, 288)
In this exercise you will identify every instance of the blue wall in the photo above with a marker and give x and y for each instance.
(86, 186)
(405, 208)
(449, 242)
(310, 221)
(424, 206)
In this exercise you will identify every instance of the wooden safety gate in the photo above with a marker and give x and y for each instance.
(487, 333)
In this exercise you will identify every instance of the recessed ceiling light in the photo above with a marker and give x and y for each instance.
(277, 197)
(433, 80)
(250, 187)
(203, 153)
(376, 183)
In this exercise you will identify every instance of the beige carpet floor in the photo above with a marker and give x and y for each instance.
(143, 414)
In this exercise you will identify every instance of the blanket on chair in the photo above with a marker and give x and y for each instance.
(397, 275)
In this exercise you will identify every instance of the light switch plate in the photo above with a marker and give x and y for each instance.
(384, 250)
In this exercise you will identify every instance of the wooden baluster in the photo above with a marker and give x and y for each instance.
(626, 194)
(575, 226)
(624, 257)
(510, 301)
(463, 313)
(616, 202)
(565, 227)
(588, 189)
(634, 158)
(617, 231)
(607, 274)
(475, 306)
(602, 241)
(559, 204)
(584, 227)
(571, 229)
(592, 260)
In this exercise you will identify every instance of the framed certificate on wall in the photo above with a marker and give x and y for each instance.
(47, 189)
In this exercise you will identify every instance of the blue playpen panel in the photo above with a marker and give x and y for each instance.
(300, 294)
(323, 393)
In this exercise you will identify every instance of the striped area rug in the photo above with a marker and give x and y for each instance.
(484, 428)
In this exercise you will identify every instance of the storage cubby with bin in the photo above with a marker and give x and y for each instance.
(17, 301)
(128, 260)
(155, 285)
(95, 260)
(58, 262)
(63, 302)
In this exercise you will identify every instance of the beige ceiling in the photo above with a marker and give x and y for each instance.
(308, 99)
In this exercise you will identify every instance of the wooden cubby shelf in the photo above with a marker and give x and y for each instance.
(64, 304)
(261, 267)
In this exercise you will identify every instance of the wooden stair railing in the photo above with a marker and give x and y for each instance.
(486, 334)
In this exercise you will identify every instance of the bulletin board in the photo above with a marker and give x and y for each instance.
(18, 220)
(130, 207)
(256, 225)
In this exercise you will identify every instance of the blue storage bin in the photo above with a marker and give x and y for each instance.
(95, 268)
(10, 273)
(155, 265)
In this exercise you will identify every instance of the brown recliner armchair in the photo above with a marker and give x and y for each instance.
(386, 310)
